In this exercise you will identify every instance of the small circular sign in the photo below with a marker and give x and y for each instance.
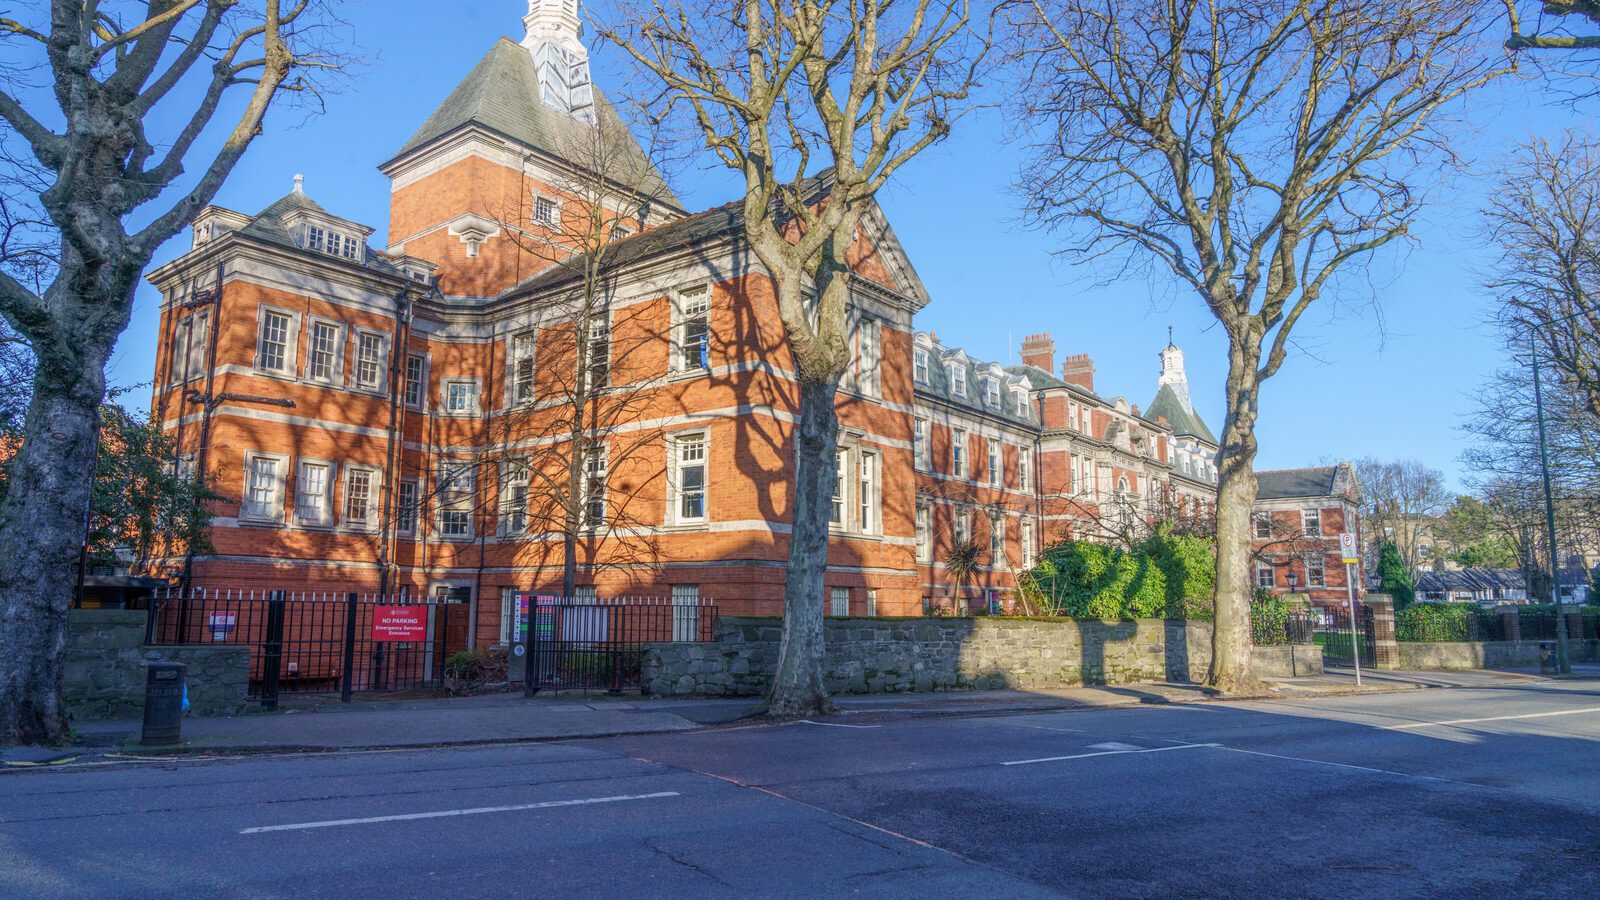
(519, 650)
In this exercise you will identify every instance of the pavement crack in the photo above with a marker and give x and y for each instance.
(686, 863)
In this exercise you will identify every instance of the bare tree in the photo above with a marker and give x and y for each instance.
(1401, 500)
(567, 426)
(116, 73)
(862, 87)
(1254, 150)
(1563, 16)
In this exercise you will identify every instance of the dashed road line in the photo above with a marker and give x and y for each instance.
(446, 813)
(1045, 759)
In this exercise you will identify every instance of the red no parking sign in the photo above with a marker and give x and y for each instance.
(400, 623)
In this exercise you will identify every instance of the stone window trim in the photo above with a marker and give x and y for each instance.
(347, 482)
(545, 210)
(380, 382)
(921, 450)
(957, 374)
(401, 514)
(522, 355)
(291, 343)
(472, 407)
(691, 309)
(326, 522)
(417, 399)
(866, 357)
(513, 515)
(919, 365)
(335, 376)
(1311, 522)
(924, 533)
(838, 601)
(273, 517)
(996, 462)
(1261, 525)
(998, 557)
(191, 344)
(677, 443)
(449, 502)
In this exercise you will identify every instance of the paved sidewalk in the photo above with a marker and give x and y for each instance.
(326, 725)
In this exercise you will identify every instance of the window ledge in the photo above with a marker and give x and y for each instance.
(687, 375)
(681, 527)
(258, 523)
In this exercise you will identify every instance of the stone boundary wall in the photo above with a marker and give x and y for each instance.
(105, 672)
(1485, 654)
(881, 655)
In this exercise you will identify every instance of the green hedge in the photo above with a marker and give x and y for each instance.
(1167, 576)
(1437, 622)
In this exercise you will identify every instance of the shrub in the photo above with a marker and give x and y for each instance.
(1393, 577)
(467, 671)
(1437, 622)
(1189, 566)
(1269, 620)
(1166, 577)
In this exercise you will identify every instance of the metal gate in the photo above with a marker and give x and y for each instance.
(319, 642)
(1333, 633)
(596, 643)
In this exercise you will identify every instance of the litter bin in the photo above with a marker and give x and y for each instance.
(1548, 664)
(163, 703)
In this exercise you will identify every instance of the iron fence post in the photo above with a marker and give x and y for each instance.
(272, 651)
(352, 607)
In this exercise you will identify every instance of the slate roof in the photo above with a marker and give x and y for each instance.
(267, 227)
(710, 225)
(939, 385)
(1286, 484)
(501, 93)
(1046, 381)
(1183, 422)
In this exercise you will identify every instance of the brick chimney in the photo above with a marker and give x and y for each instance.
(1078, 369)
(1039, 351)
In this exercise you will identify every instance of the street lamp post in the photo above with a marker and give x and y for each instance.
(1563, 661)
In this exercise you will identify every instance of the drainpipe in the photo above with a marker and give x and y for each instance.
(398, 350)
(201, 452)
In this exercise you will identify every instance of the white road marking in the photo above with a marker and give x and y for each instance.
(407, 817)
(1339, 765)
(836, 724)
(1543, 715)
(1025, 762)
(1113, 745)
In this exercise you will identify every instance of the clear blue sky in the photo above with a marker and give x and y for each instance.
(1387, 369)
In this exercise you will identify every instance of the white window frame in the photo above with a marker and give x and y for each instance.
(522, 353)
(924, 533)
(839, 503)
(508, 607)
(872, 601)
(685, 612)
(957, 374)
(352, 474)
(698, 298)
(997, 541)
(380, 362)
(961, 526)
(677, 445)
(868, 356)
(839, 601)
(1024, 469)
(991, 391)
(452, 472)
(1265, 576)
(401, 512)
(335, 351)
(599, 331)
(421, 381)
(1321, 578)
(919, 365)
(591, 475)
(477, 390)
(1257, 520)
(921, 455)
(291, 340)
(513, 511)
(1024, 407)
(1311, 522)
(958, 452)
(997, 462)
(551, 221)
(324, 509)
(868, 475)
(274, 514)
(1025, 538)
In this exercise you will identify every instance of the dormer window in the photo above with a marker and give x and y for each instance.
(920, 368)
(991, 393)
(333, 243)
(958, 378)
(1021, 398)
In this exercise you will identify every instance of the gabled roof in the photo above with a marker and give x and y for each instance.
(267, 226)
(501, 93)
(1286, 484)
(1044, 381)
(1168, 406)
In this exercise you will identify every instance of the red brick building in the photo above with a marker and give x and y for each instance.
(1299, 515)
(405, 420)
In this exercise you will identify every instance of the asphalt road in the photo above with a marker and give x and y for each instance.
(1461, 793)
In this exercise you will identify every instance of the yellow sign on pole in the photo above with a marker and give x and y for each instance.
(1347, 545)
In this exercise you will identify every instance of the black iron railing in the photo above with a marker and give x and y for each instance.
(597, 643)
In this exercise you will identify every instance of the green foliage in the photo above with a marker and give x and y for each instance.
(1479, 541)
(1437, 622)
(1167, 576)
(1269, 619)
(1394, 577)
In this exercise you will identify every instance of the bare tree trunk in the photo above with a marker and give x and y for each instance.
(1236, 496)
(41, 533)
(799, 687)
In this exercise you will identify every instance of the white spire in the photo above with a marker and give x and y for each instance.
(299, 184)
(555, 39)
(1173, 375)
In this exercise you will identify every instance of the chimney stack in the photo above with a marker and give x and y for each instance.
(1039, 351)
(1078, 369)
